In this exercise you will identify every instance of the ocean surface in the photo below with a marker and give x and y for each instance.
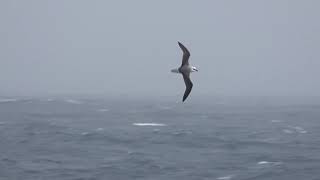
(112, 139)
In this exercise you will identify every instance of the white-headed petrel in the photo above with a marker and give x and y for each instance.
(185, 69)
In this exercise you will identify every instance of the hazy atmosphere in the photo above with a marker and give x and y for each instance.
(129, 47)
(87, 92)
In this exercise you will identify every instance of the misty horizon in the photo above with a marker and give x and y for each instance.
(247, 48)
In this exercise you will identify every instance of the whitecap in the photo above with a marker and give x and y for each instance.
(72, 101)
(268, 163)
(225, 177)
(182, 132)
(287, 131)
(148, 124)
(84, 133)
(299, 129)
(263, 162)
(99, 129)
(6, 100)
(294, 129)
(276, 121)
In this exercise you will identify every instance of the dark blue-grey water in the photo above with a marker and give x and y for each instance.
(73, 139)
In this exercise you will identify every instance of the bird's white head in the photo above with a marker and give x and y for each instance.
(194, 69)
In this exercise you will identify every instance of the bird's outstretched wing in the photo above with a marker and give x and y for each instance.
(186, 54)
(187, 81)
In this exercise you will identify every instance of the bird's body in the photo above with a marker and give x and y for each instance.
(185, 69)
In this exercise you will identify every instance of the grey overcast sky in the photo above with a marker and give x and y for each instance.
(247, 47)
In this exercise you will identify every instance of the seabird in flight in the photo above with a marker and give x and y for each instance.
(185, 69)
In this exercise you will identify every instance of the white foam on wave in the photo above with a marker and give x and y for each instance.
(294, 129)
(298, 129)
(263, 162)
(85, 133)
(225, 177)
(287, 131)
(72, 101)
(148, 124)
(182, 132)
(268, 163)
(99, 129)
(6, 100)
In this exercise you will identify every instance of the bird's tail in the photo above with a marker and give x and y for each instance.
(175, 70)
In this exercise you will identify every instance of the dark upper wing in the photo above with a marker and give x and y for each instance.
(186, 54)
(189, 85)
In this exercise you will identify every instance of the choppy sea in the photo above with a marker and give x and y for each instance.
(113, 139)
